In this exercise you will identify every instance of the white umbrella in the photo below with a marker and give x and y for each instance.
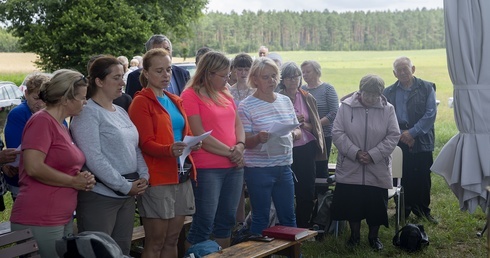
(465, 160)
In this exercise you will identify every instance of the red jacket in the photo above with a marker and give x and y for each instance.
(156, 136)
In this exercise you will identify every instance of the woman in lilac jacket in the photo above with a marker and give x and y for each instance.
(365, 132)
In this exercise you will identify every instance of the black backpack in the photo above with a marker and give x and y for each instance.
(411, 238)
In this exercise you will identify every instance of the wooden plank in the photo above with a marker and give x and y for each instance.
(254, 249)
(19, 249)
(15, 236)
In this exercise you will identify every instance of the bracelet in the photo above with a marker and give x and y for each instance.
(240, 142)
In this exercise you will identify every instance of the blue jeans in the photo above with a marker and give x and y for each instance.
(217, 193)
(266, 184)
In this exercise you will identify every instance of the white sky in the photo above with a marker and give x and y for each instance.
(225, 6)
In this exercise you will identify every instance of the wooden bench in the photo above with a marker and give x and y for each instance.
(18, 243)
(253, 249)
(139, 234)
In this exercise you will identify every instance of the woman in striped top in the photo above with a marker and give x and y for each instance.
(268, 157)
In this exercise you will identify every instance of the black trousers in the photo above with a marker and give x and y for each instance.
(416, 181)
(304, 189)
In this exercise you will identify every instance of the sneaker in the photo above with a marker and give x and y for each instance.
(376, 244)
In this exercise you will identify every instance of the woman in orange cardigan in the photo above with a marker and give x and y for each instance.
(162, 124)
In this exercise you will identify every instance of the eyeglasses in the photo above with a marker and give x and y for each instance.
(293, 78)
(224, 77)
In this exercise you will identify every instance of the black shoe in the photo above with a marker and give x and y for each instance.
(431, 219)
(375, 243)
(353, 242)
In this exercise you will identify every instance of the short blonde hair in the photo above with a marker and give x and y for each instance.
(64, 84)
(258, 66)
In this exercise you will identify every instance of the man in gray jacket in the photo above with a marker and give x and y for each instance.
(415, 106)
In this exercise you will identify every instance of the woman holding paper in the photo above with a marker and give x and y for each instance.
(311, 145)
(210, 106)
(268, 156)
(162, 124)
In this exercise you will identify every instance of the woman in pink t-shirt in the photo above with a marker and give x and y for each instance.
(49, 172)
(210, 107)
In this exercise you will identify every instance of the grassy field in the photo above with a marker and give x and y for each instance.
(455, 235)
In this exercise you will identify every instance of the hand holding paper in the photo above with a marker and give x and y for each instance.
(191, 141)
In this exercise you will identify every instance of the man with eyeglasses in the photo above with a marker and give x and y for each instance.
(179, 77)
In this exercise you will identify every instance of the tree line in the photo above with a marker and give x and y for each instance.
(66, 33)
(320, 31)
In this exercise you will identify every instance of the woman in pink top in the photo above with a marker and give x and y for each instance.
(308, 148)
(49, 172)
(210, 106)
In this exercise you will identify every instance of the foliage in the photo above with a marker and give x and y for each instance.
(8, 43)
(320, 31)
(65, 33)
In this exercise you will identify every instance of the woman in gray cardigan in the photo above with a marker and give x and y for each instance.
(365, 132)
(109, 140)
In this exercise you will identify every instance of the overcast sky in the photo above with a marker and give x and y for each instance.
(238, 6)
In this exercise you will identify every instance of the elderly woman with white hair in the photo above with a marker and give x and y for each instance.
(365, 132)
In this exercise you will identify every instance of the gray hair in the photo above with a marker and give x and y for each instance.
(316, 66)
(157, 39)
(372, 83)
(402, 59)
(289, 69)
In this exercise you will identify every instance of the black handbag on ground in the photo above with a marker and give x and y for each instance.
(411, 238)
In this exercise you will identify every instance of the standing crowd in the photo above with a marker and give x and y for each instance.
(94, 144)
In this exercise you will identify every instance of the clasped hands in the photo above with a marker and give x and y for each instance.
(407, 138)
(363, 157)
(84, 181)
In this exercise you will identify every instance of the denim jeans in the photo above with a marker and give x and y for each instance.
(266, 184)
(217, 193)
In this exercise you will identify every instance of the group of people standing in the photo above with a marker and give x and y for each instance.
(109, 156)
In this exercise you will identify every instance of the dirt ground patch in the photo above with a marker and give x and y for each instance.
(17, 62)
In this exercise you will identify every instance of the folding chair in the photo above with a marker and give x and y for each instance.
(397, 190)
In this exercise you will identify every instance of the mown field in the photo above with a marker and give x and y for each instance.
(455, 235)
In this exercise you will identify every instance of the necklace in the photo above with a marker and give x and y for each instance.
(238, 93)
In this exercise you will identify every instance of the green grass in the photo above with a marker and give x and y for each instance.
(16, 78)
(455, 235)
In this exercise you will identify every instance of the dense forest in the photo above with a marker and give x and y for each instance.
(324, 31)
(306, 30)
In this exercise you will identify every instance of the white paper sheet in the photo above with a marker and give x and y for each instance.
(191, 141)
(16, 162)
(280, 129)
